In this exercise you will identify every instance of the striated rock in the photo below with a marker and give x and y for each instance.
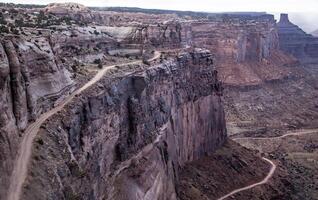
(296, 42)
(247, 51)
(30, 83)
(34, 76)
(129, 138)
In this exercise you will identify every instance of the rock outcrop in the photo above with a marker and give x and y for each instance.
(128, 136)
(295, 41)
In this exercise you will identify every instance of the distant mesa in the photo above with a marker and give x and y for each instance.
(61, 8)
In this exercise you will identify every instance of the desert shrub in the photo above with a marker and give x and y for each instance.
(96, 32)
(97, 61)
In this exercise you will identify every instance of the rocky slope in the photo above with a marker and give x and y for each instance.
(296, 42)
(211, 177)
(129, 135)
(298, 154)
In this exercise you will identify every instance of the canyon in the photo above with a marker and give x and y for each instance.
(115, 103)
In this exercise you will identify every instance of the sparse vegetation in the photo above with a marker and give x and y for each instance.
(40, 141)
(96, 32)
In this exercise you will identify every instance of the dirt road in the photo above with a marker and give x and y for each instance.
(21, 164)
(264, 181)
(294, 133)
(273, 165)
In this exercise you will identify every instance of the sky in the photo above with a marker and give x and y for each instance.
(304, 12)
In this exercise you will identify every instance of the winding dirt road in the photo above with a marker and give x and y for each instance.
(273, 165)
(19, 172)
(264, 181)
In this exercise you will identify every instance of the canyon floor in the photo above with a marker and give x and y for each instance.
(287, 136)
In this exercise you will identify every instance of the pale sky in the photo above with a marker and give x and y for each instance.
(306, 17)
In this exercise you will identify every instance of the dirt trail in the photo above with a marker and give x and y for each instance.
(20, 167)
(296, 133)
(273, 168)
(264, 181)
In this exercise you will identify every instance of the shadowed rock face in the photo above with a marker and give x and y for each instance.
(295, 41)
(128, 137)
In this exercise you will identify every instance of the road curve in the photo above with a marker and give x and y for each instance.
(19, 172)
(264, 181)
(273, 165)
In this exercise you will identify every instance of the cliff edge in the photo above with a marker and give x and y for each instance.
(129, 135)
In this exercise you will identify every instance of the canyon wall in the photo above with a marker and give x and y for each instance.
(30, 83)
(128, 136)
(295, 41)
(237, 40)
(246, 50)
(246, 46)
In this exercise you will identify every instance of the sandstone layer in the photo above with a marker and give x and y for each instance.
(31, 82)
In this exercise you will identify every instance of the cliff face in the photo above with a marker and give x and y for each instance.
(128, 136)
(237, 40)
(30, 83)
(247, 51)
(32, 77)
(296, 42)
